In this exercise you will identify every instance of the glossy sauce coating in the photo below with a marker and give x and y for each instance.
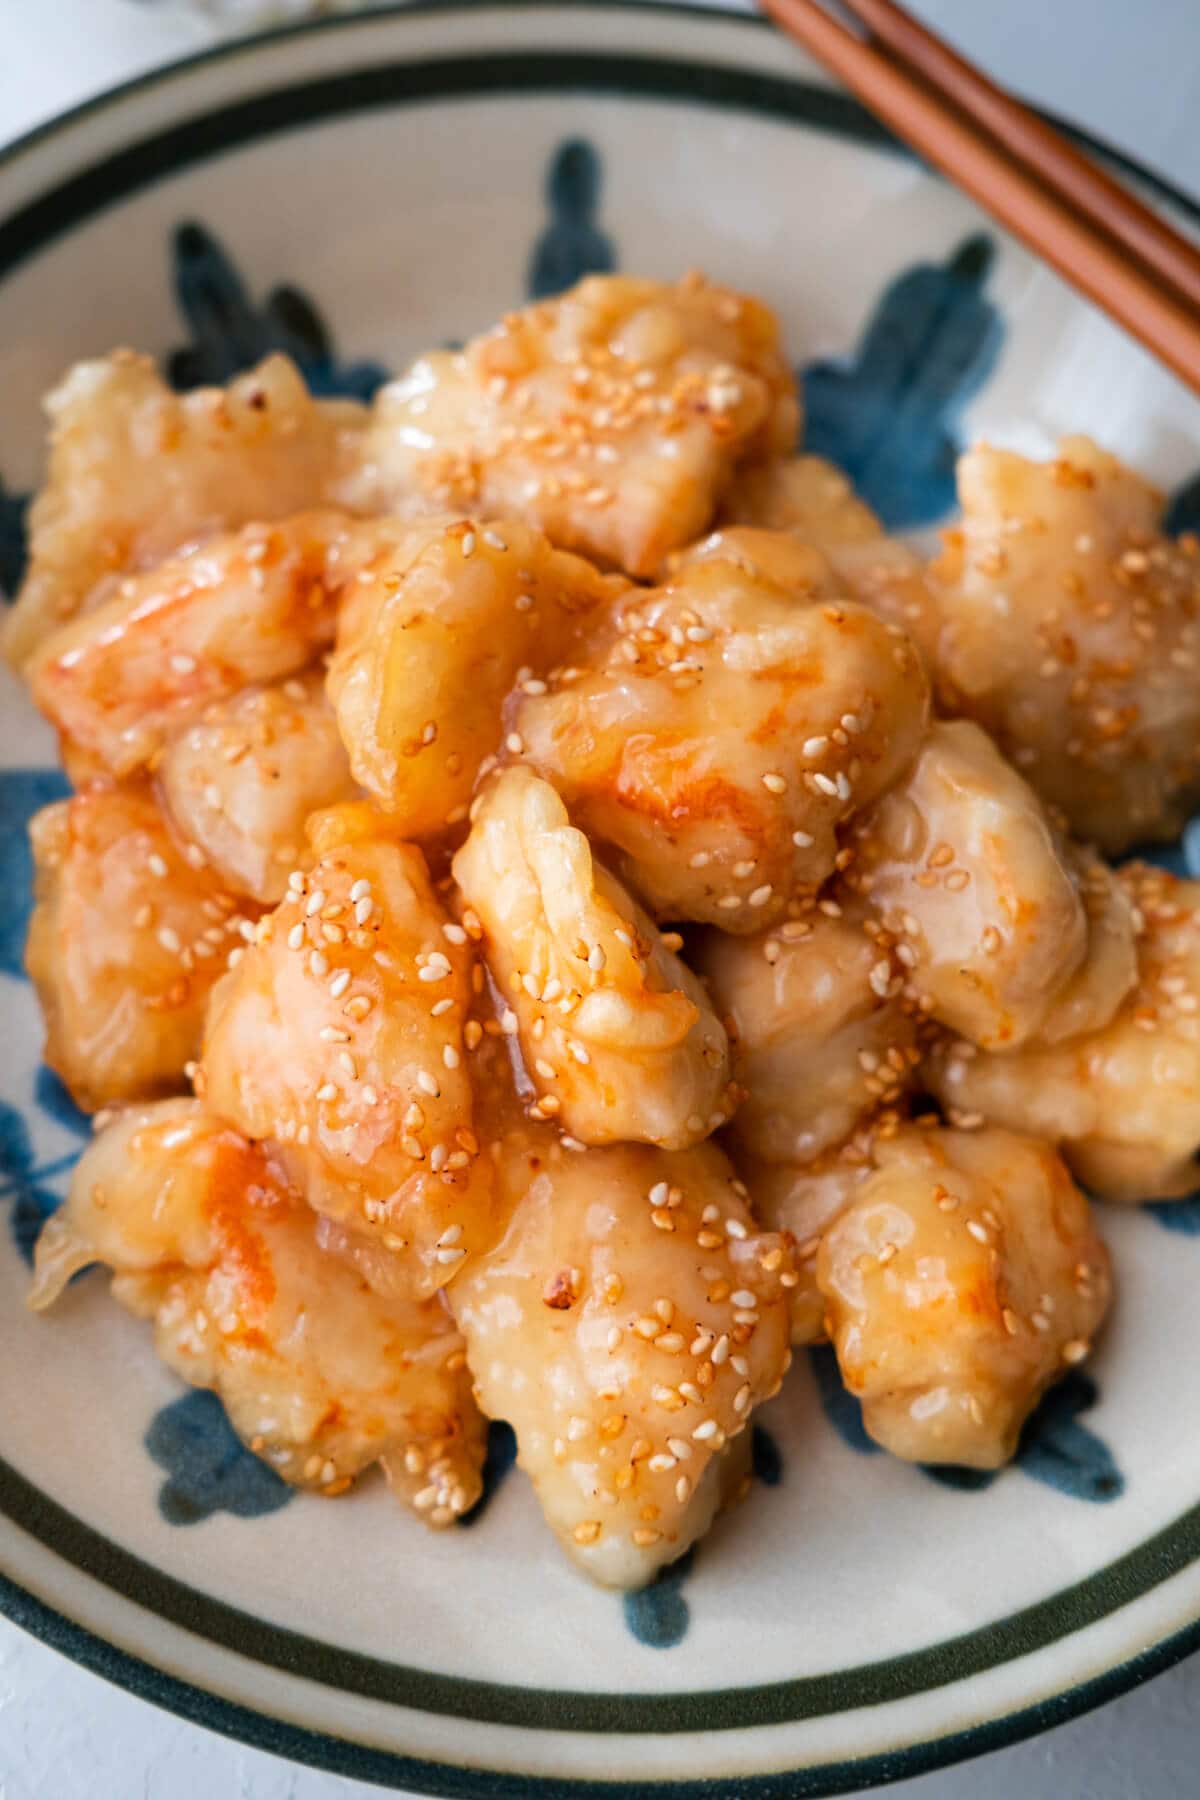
(338, 1038)
(617, 1036)
(319, 1376)
(718, 731)
(611, 417)
(962, 1279)
(436, 629)
(1122, 1101)
(1070, 627)
(129, 931)
(627, 1324)
(136, 472)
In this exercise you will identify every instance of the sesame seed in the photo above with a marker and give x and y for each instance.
(314, 903)
(157, 864)
(467, 544)
(1074, 1350)
(761, 895)
(333, 1034)
(361, 889)
(182, 663)
(327, 1091)
(742, 1297)
(318, 962)
(340, 982)
(450, 1255)
(514, 743)
(427, 1084)
(802, 840)
(707, 1428)
(169, 939)
(775, 784)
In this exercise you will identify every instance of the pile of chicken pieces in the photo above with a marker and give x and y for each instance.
(558, 908)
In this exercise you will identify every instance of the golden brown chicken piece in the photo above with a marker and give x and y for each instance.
(137, 471)
(319, 1375)
(617, 1035)
(251, 606)
(1071, 630)
(1122, 1102)
(611, 417)
(823, 1034)
(810, 500)
(985, 899)
(439, 625)
(129, 932)
(242, 780)
(720, 730)
(339, 1038)
(627, 1324)
(802, 1200)
(961, 1281)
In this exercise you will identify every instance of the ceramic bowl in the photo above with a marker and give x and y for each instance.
(353, 193)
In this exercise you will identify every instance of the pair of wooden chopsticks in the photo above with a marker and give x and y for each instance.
(1098, 236)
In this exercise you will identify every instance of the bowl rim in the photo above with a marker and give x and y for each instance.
(319, 1748)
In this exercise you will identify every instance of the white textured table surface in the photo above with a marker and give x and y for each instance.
(1132, 75)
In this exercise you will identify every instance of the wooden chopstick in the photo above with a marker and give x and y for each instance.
(1044, 151)
(1084, 253)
